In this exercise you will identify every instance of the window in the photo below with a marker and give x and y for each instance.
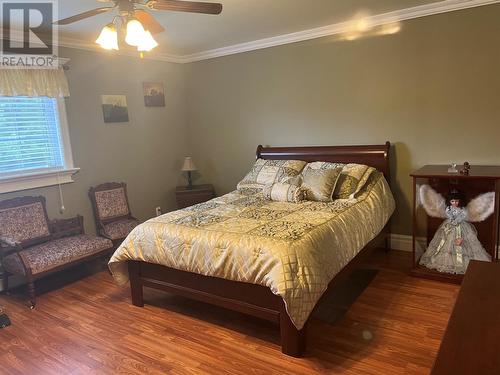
(34, 145)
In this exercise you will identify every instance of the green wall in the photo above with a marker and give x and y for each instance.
(433, 90)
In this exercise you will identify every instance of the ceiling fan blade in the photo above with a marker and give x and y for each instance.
(81, 16)
(149, 22)
(185, 6)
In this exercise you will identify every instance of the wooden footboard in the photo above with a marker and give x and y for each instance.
(255, 300)
(246, 298)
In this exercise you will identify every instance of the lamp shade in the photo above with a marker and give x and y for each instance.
(108, 39)
(188, 165)
(147, 43)
(135, 32)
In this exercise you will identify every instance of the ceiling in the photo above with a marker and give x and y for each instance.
(240, 21)
(244, 21)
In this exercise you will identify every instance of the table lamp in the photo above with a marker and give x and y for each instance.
(188, 167)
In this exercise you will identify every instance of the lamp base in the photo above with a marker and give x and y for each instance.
(190, 181)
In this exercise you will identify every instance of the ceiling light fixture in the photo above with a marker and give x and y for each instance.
(136, 36)
(140, 25)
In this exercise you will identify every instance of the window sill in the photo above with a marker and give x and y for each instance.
(36, 180)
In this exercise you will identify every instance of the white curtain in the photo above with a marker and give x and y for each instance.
(34, 82)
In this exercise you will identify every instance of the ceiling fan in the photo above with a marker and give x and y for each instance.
(140, 24)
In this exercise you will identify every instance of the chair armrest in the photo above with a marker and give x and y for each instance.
(9, 245)
(66, 227)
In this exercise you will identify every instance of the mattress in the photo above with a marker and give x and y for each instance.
(295, 249)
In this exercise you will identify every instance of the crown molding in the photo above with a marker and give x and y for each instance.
(419, 11)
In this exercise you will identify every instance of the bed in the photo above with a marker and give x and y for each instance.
(272, 260)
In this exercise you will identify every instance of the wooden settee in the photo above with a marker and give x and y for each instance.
(33, 246)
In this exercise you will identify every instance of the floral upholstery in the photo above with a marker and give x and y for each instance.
(24, 223)
(119, 229)
(111, 203)
(50, 255)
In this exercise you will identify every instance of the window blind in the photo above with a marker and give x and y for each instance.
(30, 138)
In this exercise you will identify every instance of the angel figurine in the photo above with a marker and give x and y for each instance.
(455, 242)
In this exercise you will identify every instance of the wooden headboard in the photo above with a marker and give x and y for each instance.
(376, 156)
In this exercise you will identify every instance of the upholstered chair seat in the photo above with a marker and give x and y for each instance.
(119, 229)
(53, 254)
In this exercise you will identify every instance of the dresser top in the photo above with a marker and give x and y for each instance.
(195, 188)
(476, 171)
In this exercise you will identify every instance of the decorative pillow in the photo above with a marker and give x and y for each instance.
(352, 179)
(282, 192)
(319, 184)
(267, 172)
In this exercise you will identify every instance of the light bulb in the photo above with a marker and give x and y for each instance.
(147, 43)
(135, 33)
(108, 38)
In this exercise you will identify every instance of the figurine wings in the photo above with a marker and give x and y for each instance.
(478, 209)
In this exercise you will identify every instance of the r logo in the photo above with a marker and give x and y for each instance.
(33, 21)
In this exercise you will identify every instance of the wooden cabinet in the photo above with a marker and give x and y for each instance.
(470, 343)
(197, 194)
(481, 179)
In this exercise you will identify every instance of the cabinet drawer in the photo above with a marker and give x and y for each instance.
(186, 200)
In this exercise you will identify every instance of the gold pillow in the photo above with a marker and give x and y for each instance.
(320, 183)
(282, 192)
(352, 179)
(267, 172)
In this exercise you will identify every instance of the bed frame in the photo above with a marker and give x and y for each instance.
(253, 299)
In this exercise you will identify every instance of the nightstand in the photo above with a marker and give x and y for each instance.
(197, 194)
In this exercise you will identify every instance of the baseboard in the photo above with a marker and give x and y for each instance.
(404, 242)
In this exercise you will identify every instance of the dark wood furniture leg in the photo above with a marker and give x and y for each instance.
(5, 281)
(31, 293)
(293, 341)
(136, 287)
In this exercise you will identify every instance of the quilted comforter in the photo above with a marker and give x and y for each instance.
(295, 249)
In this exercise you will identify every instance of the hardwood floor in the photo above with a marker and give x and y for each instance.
(90, 327)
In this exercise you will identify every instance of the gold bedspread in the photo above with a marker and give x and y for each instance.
(295, 249)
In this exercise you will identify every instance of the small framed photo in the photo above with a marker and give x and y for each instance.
(114, 108)
(154, 94)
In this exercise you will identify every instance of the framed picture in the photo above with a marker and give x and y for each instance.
(114, 108)
(154, 94)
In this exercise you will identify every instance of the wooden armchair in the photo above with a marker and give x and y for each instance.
(33, 246)
(111, 211)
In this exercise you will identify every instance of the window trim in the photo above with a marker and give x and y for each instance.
(32, 180)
